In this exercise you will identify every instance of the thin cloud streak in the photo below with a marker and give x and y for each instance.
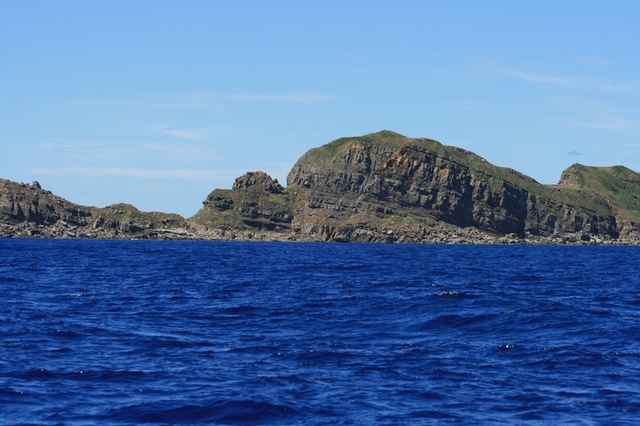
(166, 102)
(617, 125)
(587, 83)
(134, 173)
(464, 105)
(203, 101)
(302, 97)
(184, 134)
(102, 150)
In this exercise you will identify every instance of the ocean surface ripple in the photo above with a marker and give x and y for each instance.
(153, 332)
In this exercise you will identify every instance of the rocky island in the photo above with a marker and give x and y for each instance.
(381, 187)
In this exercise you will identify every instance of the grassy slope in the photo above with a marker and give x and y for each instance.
(581, 185)
(618, 184)
(214, 217)
(27, 194)
(122, 211)
(327, 156)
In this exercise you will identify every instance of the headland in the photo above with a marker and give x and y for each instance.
(380, 187)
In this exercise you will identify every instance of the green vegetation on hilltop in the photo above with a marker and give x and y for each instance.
(379, 186)
(327, 157)
(618, 184)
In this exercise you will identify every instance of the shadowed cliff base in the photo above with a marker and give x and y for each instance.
(381, 187)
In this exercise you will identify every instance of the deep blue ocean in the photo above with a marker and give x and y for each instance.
(161, 332)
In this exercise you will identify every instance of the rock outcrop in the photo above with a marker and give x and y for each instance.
(255, 202)
(619, 188)
(30, 211)
(390, 180)
(381, 187)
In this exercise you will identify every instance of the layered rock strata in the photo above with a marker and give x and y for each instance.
(381, 187)
(255, 202)
(30, 211)
(389, 180)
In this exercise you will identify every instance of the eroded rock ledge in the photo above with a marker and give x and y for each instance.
(381, 187)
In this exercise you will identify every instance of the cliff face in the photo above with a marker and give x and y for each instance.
(619, 188)
(381, 187)
(390, 180)
(28, 210)
(367, 179)
(255, 202)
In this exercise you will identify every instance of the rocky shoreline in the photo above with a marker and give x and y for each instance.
(351, 235)
(378, 188)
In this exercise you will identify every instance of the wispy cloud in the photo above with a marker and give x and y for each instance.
(192, 133)
(575, 153)
(591, 60)
(196, 101)
(195, 135)
(579, 82)
(130, 172)
(201, 101)
(615, 124)
(54, 146)
(464, 105)
(296, 97)
(199, 136)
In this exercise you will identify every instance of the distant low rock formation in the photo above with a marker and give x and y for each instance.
(28, 211)
(381, 187)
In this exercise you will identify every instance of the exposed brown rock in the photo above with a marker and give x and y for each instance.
(255, 202)
(257, 180)
(30, 211)
(381, 187)
(391, 180)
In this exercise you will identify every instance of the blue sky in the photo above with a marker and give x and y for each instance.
(156, 103)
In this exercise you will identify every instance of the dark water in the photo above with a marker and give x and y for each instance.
(130, 332)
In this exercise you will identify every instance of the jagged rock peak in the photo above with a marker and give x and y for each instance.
(572, 176)
(257, 179)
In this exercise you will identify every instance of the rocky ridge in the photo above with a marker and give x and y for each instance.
(381, 187)
(30, 211)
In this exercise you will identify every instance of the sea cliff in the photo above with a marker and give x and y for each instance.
(381, 187)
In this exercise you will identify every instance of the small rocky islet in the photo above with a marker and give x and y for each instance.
(381, 187)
